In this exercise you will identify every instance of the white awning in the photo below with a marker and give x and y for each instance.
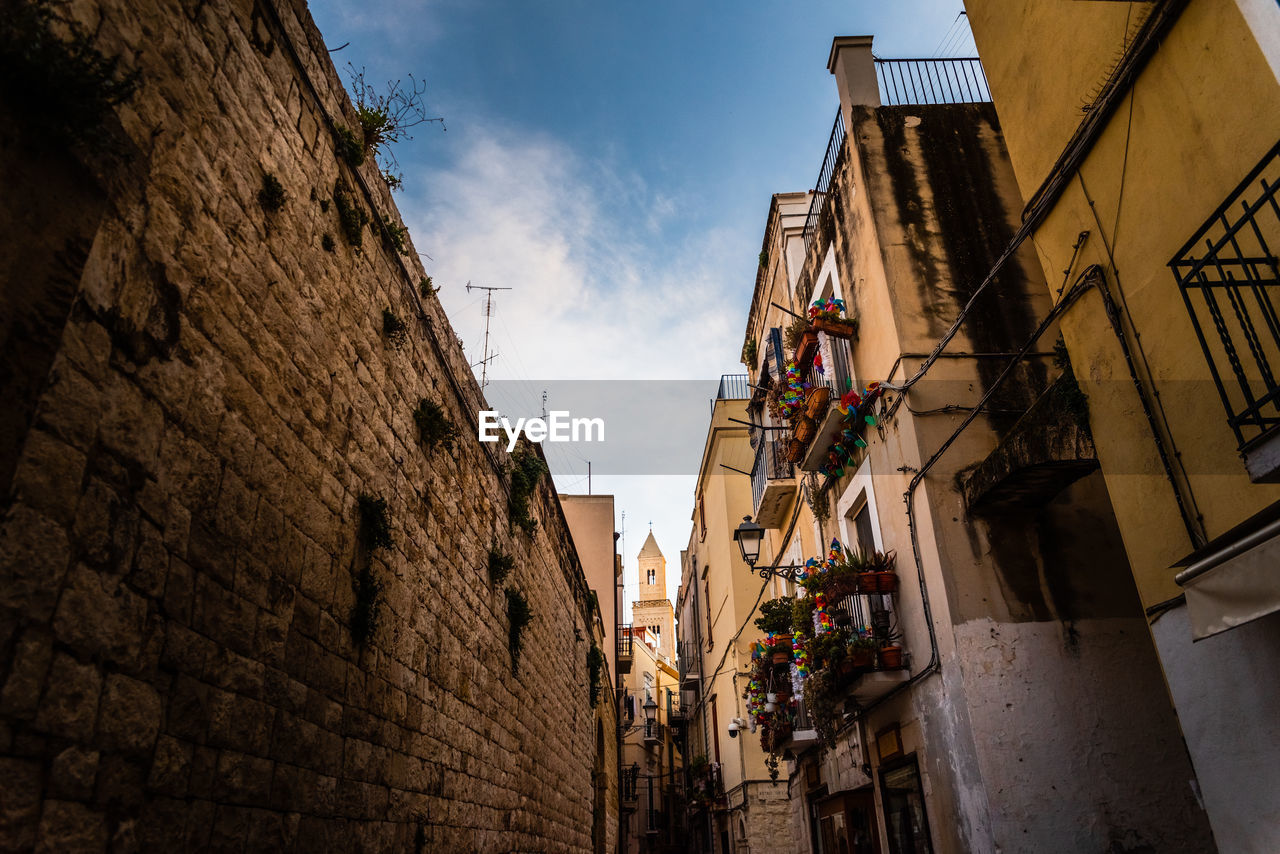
(1236, 584)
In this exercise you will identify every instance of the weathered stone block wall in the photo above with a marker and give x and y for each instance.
(180, 530)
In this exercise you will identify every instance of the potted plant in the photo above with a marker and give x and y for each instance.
(862, 652)
(829, 316)
(802, 340)
(781, 650)
(882, 563)
(890, 657)
(775, 616)
(802, 616)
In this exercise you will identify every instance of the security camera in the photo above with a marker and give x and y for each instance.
(733, 729)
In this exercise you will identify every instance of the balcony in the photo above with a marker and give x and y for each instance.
(624, 648)
(681, 707)
(628, 787)
(838, 378)
(773, 482)
(803, 735)
(1229, 276)
(1047, 449)
(653, 731)
(689, 675)
(732, 387)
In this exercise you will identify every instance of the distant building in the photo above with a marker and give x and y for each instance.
(652, 805)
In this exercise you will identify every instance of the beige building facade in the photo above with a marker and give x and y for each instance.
(1165, 188)
(1028, 711)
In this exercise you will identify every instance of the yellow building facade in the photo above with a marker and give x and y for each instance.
(1144, 139)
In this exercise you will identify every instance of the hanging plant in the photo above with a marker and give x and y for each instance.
(375, 526)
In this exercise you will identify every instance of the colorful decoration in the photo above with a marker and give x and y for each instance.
(855, 410)
(827, 309)
(792, 400)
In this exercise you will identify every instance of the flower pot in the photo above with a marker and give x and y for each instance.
(890, 657)
(887, 582)
(816, 405)
(781, 656)
(795, 450)
(868, 582)
(806, 347)
(804, 429)
(842, 328)
(840, 586)
(862, 658)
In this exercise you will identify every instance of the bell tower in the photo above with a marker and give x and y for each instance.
(653, 608)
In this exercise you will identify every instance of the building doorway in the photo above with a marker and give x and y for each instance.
(905, 820)
(847, 823)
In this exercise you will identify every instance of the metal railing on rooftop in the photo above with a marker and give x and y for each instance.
(830, 162)
(932, 81)
(733, 387)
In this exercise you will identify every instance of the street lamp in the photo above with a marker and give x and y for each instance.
(650, 708)
(749, 536)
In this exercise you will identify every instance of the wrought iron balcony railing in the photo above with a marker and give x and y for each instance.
(830, 163)
(932, 81)
(688, 654)
(1229, 276)
(653, 732)
(771, 463)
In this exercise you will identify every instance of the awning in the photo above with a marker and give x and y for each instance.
(1235, 584)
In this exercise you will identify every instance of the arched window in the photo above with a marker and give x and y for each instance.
(653, 576)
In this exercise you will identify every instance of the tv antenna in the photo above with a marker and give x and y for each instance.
(488, 312)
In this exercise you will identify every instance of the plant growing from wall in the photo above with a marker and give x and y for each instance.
(272, 196)
(351, 217)
(763, 258)
(526, 471)
(394, 235)
(364, 612)
(519, 615)
(375, 525)
(501, 564)
(595, 669)
(749, 353)
(348, 145)
(52, 76)
(374, 533)
(426, 288)
(387, 117)
(794, 332)
(395, 180)
(326, 243)
(394, 329)
(434, 427)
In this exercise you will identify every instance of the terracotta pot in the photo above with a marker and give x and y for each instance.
(890, 657)
(795, 450)
(887, 582)
(836, 328)
(781, 657)
(840, 586)
(860, 657)
(868, 582)
(806, 347)
(819, 397)
(805, 428)
(848, 665)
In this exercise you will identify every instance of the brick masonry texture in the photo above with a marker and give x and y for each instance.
(179, 533)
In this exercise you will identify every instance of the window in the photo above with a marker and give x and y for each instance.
(862, 528)
(702, 519)
(706, 597)
(657, 635)
(652, 576)
(904, 815)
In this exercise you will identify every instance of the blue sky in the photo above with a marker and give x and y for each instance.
(613, 163)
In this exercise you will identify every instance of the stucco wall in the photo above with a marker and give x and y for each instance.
(180, 539)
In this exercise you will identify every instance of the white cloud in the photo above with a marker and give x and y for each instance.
(600, 290)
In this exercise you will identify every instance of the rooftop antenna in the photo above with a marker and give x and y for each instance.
(488, 312)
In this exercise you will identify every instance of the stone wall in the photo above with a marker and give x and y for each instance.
(209, 392)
